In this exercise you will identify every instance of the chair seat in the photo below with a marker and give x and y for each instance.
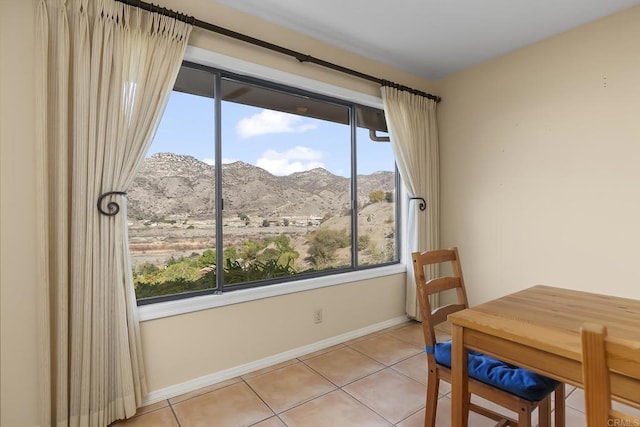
(512, 379)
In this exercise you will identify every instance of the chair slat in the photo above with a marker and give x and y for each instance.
(441, 284)
(438, 256)
(440, 314)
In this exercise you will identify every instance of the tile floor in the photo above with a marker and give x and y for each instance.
(375, 380)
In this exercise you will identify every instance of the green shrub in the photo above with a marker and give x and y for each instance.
(376, 196)
(230, 253)
(176, 286)
(207, 258)
(234, 272)
(147, 268)
(323, 244)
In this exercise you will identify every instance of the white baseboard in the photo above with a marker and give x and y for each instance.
(216, 377)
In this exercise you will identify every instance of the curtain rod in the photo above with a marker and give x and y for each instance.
(276, 48)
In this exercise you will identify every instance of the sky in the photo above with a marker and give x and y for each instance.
(277, 142)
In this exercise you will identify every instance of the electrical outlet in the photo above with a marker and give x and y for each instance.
(317, 316)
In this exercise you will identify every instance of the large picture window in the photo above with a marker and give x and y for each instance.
(249, 183)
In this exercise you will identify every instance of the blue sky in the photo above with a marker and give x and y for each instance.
(278, 142)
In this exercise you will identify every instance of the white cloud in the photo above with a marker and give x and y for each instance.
(268, 121)
(212, 162)
(297, 159)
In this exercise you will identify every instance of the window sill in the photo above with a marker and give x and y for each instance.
(188, 305)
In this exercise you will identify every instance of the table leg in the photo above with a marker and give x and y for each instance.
(459, 379)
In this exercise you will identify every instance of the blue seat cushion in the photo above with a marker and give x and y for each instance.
(512, 379)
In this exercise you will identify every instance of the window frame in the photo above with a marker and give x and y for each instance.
(222, 66)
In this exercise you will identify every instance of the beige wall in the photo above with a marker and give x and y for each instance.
(540, 161)
(193, 345)
(18, 338)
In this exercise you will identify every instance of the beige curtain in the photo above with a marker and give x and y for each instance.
(413, 129)
(105, 74)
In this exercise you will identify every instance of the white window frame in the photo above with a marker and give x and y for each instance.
(197, 303)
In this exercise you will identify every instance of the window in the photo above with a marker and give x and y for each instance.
(249, 183)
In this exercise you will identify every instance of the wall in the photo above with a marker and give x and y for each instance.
(18, 335)
(185, 347)
(539, 158)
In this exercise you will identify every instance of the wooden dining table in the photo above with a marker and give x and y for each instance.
(539, 329)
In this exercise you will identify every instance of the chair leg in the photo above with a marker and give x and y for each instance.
(433, 384)
(524, 417)
(544, 412)
(559, 413)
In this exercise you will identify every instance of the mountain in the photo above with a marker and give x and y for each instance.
(177, 186)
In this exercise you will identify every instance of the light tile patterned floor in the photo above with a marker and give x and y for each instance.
(376, 380)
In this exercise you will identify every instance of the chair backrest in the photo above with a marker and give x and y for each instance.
(428, 283)
(602, 358)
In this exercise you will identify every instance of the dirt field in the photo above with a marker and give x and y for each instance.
(157, 242)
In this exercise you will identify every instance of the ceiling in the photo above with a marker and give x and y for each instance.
(430, 38)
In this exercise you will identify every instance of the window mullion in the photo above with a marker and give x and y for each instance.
(354, 188)
(219, 203)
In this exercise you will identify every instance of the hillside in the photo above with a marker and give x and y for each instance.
(176, 186)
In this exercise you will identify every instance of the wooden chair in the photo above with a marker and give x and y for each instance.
(601, 358)
(437, 352)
